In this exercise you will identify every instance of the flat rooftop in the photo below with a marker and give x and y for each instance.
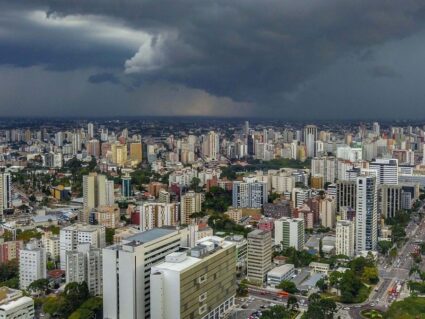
(150, 235)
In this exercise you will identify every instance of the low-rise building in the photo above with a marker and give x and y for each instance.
(14, 305)
(276, 275)
(321, 268)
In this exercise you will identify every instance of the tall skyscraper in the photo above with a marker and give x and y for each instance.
(90, 130)
(197, 284)
(136, 152)
(126, 293)
(344, 242)
(5, 192)
(289, 232)
(310, 137)
(211, 146)
(345, 194)
(259, 255)
(126, 186)
(366, 213)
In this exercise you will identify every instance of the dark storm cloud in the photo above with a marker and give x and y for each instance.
(251, 51)
(383, 71)
(104, 77)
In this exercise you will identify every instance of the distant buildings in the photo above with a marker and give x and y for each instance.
(5, 192)
(154, 215)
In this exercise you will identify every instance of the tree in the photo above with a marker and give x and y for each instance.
(287, 286)
(322, 285)
(109, 235)
(276, 312)
(292, 303)
(320, 308)
(370, 275)
(242, 289)
(384, 246)
(393, 253)
(194, 184)
(39, 285)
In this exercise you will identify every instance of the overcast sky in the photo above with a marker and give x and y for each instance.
(292, 59)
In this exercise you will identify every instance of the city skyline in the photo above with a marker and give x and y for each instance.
(289, 60)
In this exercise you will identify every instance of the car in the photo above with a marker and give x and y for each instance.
(346, 308)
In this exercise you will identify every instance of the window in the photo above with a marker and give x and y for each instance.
(203, 309)
(203, 297)
(202, 279)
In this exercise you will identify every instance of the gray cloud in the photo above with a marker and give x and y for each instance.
(104, 77)
(256, 52)
(383, 71)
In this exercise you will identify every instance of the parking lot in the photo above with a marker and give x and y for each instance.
(251, 307)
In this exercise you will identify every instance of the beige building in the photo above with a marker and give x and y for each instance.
(108, 216)
(10, 250)
(190, 203)
(327, 211)
(14, 305)
(119, 153)
(259, 255)
(198, 284)
(136, 152)
(234, 214)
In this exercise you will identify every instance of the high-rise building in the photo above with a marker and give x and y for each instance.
(324, 166)
(344, 241)
(126, 293)
(376, 129)
(154, 215)
(387, 171)
(389, 200)
(5, 192)
(96, 191)
(327, 211)
(136, 152)
(59, 139)
(197, 284)
(9, 250)
(85, 264)
(259, 255)
(366, 213)
(289, 232)
(190, 203)
(345, 194)
(310, 137)
(90, 130)
(126, 186)
(72, 236)
(299, 196)
(211, 146)
(93, 148)
(249, 193)
(119, 153)
(32, 265)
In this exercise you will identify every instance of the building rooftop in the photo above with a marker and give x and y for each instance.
(150, 235)
(281, 270)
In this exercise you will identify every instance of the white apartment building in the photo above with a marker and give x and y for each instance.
(289, 232)
(32, 265)
(344, 241)
(387, 171)
(72, 236)
(85, 264)
(250, 193)
(327, 211)
(126, 293)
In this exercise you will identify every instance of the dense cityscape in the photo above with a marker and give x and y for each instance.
(195, 218)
